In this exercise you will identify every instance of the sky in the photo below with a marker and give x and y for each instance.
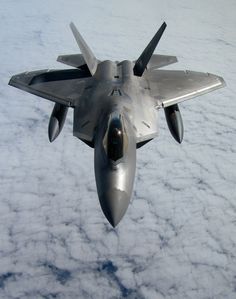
(177, 239)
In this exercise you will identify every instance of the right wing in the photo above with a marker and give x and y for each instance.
(171, 87)
(60, 86)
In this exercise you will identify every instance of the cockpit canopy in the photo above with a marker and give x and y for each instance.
(115, 138)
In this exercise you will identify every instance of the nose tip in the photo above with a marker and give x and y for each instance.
(114, 204)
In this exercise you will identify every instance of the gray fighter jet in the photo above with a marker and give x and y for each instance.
(116, 108)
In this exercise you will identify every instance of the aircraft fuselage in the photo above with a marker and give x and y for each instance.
(108, 102)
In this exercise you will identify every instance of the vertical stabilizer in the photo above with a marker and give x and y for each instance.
(144, 58)
(85, 50)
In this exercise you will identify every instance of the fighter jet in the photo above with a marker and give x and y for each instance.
(116, 107)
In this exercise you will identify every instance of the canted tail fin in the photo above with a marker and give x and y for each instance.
(144, 58)
(88, 55)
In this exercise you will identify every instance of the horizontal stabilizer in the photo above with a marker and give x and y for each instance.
(75, 60)
(158, 61)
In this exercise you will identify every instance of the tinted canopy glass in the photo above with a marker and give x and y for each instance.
(115, 140)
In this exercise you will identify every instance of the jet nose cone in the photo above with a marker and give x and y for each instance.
(114, 204)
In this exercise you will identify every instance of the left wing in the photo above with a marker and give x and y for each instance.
(60, 86)
(171, 87)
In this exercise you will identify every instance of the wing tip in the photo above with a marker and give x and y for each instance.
(223, 83)
(15, 80)
(11, 81)
(221, 80)
(59, 58)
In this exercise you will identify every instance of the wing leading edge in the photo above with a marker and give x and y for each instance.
(172, 87)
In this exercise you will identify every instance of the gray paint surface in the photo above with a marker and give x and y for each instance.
(134, 91)
(177, 239)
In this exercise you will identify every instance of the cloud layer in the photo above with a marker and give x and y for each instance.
(178, 238)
